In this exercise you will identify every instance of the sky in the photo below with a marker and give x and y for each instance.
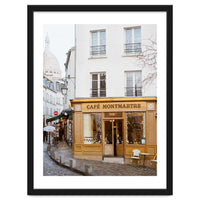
(62, 38)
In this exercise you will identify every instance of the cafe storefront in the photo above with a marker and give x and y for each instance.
(113, 127)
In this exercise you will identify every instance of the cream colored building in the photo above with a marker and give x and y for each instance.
(112, 50)
(115, 103)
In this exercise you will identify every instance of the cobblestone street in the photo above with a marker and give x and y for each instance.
(50, 168)
(99, 168)
(114, 169)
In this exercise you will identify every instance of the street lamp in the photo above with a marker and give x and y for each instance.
(64, 92)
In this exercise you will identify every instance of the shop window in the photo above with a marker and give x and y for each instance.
(135, 128)
(92, 128)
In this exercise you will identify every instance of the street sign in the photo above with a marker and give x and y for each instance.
(55, 112)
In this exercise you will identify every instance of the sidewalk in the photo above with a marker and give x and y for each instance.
(62, 154)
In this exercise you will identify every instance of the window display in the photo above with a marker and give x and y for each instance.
(135, 128)
(92, 128)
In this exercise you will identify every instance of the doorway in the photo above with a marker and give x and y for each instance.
(113, 138)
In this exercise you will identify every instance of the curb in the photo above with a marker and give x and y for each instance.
(67, 166)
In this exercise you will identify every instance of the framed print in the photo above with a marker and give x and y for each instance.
(100, 100)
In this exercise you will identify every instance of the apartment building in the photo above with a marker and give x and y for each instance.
(115, 103)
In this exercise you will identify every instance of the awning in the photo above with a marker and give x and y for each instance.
(67, 113)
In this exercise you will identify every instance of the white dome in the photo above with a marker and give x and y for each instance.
(51, 67)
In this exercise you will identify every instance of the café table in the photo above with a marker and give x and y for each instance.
(145, 154)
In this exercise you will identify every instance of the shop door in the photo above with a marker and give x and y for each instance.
(113, 138)
(108, 139)
(118, 134)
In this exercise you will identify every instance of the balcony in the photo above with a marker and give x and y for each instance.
(132, 48)
(98, 50)
(133, 91)
(98, 93)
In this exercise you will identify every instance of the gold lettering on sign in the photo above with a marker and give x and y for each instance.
(113, 106)
(96, 106)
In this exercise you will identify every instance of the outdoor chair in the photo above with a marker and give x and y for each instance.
(154, 160)
(136, 155)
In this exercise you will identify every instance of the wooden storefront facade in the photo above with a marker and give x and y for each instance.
(114, 127)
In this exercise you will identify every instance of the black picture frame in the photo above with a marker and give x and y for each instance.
(169, 93)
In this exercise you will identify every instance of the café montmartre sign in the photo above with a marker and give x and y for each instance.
(127, 106)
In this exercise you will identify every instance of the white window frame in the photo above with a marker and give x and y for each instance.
(98, 81)
(133, 39)
(98, 42)
(133, 82)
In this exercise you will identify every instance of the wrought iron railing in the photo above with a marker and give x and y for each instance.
(98, 92)
(132, 48)
(98, 50)
(133, 91)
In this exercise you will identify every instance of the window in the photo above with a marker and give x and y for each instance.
(135, 127)
(133, 41)
(92, 128)
(98, 85)
(133, 83)
(46, 82)
(98, 43)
